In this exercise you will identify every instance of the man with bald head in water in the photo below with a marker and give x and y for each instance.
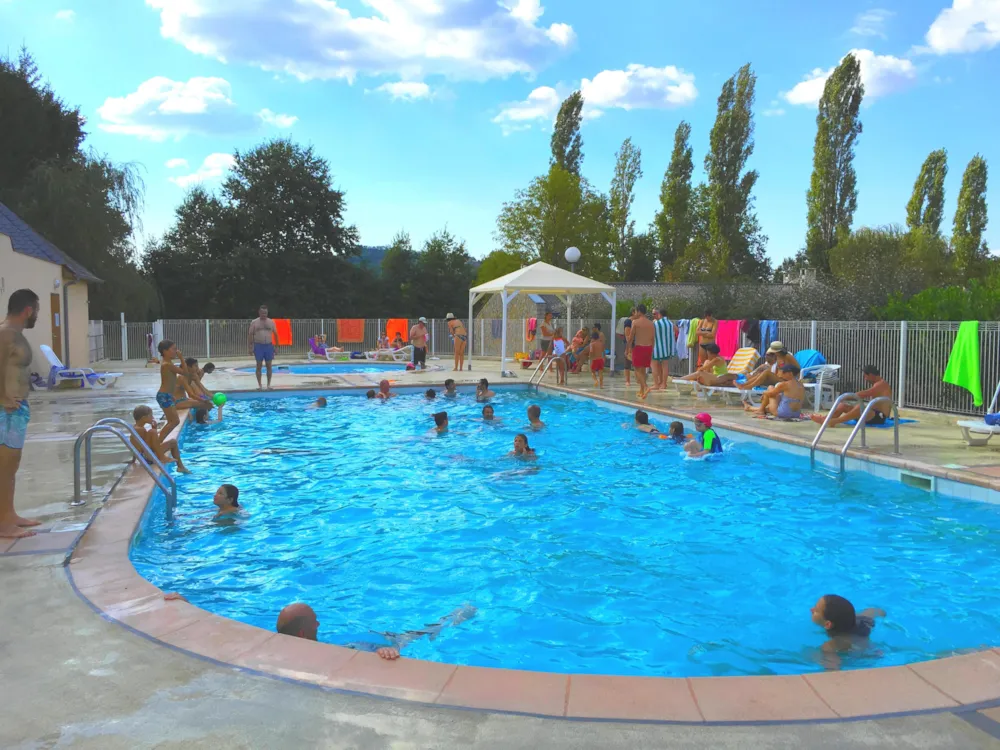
(299, 620)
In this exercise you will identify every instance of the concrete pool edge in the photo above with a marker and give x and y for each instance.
(100, 572)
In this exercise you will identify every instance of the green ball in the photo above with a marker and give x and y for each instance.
(219, 399)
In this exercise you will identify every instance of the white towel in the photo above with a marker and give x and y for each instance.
(683, 327)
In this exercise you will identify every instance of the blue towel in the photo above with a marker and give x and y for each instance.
(768, 333)
(496, 328)
(887, 423)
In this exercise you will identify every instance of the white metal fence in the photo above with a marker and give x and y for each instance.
(910, 355)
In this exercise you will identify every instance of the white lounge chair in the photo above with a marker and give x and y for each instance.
(404, 354)
(317, 351)
(824, 377)
(742, 363)
(87, 378)
(976, 432)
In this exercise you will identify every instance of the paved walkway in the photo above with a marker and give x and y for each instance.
(72, 679)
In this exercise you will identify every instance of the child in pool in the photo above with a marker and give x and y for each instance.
(227, 500)
(449, 388)
(201, 416)
(488, 413)
(430, 394)
(534, 417)
(319, 403)
(642, 423)
(706, 441)
(384, 391)
(371, 394)
(845, 628)
(677, 433)
(167, 451)
(441, 421)
(521, 448)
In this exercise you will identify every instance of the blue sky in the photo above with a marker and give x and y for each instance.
(433, 112)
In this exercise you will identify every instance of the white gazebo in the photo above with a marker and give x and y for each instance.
(541, 278)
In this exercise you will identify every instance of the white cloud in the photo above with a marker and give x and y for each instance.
(774, 110)
(881, 75)
(967, 26)
(66, 15)
(411, 39)
(407, 90)
(872, 22)
(213, 167)
(176, 163)
(638, 87)
(161, 108)
(279, 121)
(541, 104)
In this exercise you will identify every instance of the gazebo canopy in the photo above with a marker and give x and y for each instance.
(540, 278)
(543, 278)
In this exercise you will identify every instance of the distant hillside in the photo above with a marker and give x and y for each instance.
(371, 257)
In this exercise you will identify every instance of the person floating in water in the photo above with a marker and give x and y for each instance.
(488, 413)
(847, 630)
(535, 417)
(483, 391)
(371, 394)
(319, 403)
(706, 441)
(449, 388)
(227, 500)
(201, 416)
(441, 421)
(384, 390)
(677, 433)
(521, 448)
(430, 394)
(642, 423)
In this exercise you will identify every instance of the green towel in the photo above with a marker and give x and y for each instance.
(963, 363)
(693, 332)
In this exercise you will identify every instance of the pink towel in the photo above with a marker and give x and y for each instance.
(728, 338)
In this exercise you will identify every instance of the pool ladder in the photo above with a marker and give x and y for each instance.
(542, 370)
(860, 426)
(107, 426)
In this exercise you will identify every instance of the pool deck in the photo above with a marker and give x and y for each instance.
(101, 660)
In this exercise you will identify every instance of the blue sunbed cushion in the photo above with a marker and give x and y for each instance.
(992, 419)
(809, 358)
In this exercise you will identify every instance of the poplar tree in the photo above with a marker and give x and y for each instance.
(971, 219)
(567, 144)
(674, 222)
(926, 206)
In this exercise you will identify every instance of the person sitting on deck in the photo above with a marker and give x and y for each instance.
(397, 341)
(878, 388)
(783, 400)
(714, 371)
(766, 373)
(167, 451)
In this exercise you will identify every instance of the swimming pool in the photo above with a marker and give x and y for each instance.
(332, 368)
(611, 554)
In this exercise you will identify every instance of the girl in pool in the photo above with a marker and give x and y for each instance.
(227, 500)
(201, 416)
(677, 433)
(441, 421)
(521, 449)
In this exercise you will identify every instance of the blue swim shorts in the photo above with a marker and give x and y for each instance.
(165, 400)
(263, 352)
(14, 426)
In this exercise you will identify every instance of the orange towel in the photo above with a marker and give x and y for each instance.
(350, 330)
(283, 331)
(400, 326)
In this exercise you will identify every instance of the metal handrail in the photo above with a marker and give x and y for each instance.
(862, 420)
(538, 367)
(833, 409)
(168, 487)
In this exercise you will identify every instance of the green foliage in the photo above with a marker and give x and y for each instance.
(694, 264)
(674, 221)
(498, 263)
(443, 274)
(83, 203)
(980, 300)
(832, 197)
(640, 257)
(926, 206)
(628, 170)
(567, 143)
(971, 219)
(736, 246)
(556, 211)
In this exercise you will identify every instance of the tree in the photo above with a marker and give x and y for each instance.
(628, 170)
(737, 244)
(970, 220)
(567, 144)
(556, 211)
(443, 275)
(926, 206)
(674, 222)
(499, 263)
(833, 194)
(643, 251)
(693, 265)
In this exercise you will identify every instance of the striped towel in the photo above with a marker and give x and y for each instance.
(663, 339)
(743, 361)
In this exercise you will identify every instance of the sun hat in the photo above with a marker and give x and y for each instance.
(449, 316)
(422, 320)
(704, 418)
(775, 347)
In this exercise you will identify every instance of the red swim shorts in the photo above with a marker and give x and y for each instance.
(642, 356)
(596, 365)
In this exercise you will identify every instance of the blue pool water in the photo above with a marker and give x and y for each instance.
(348, 368)
(609, 554)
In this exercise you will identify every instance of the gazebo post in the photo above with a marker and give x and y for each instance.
(472, 301)
(613, 299)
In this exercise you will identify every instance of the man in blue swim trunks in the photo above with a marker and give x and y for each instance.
(15, 382)
(261, 340)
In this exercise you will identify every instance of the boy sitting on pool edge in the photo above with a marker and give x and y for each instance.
(706, 441)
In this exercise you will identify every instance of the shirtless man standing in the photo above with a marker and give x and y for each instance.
(642, 348)
(418, 337)
(15, 358)
(261, 340)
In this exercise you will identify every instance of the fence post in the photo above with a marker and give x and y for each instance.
(812, 334)
(524, 334)
(208, 345)
(901, 391)
(124, 338)
(432, 350)
(482, 337)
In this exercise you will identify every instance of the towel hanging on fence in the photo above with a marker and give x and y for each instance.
(664, 339)
(727, 337)
(350, 330)
(400, 326)
(963, 362)
(752, 330)
(693, 332)
(683, 327)
(282, 335)
(768, 333)
(496, 328)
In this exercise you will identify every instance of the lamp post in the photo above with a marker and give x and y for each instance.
(572, 257)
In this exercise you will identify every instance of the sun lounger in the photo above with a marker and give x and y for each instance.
(87, 378)
(321, 352)
(976, 432)
(742, 363)
(822, 379)
(403, 354)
